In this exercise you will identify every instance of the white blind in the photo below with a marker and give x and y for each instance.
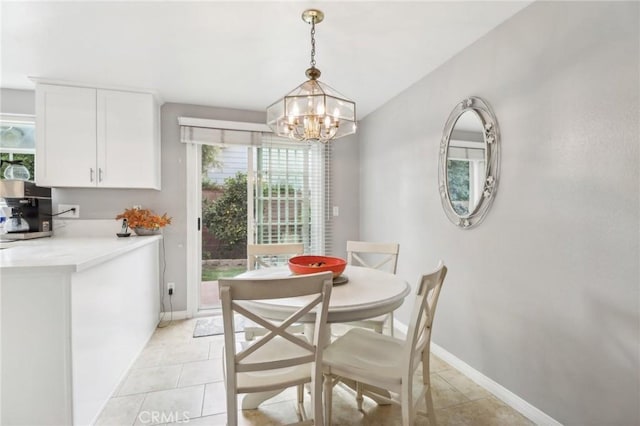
(461, 153)
(291, 191)
(220, 133)
(292, 194)
(219, 137)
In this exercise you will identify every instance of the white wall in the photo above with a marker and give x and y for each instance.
(542, 297)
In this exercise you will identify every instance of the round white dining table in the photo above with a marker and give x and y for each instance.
(367, 294)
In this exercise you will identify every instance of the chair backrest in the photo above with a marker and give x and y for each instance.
(267, 255)
(373, 255)
(235, 290)
(421, 323)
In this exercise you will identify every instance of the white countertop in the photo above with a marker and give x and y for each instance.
(72, 253)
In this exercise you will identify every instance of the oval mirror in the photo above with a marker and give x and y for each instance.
(469, 161)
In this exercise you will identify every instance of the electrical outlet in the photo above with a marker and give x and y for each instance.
(171, 287)
(69, 214)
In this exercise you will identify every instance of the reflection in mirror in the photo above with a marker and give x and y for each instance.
(469, 162)
(466, 163)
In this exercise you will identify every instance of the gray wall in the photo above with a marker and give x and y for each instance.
(542, 297)
(345, 184)
(14, 101)
(107, 203)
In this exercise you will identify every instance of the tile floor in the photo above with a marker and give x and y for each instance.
(209, 295)
(178, 379)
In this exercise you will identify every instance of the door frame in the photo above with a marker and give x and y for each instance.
(194, 223)
(194, 202)
(194, 228)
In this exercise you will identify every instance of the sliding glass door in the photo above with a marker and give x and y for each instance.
(276, 192)
(224, 217)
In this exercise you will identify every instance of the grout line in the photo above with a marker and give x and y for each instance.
(204, 393)
(179, 376)
(460, 390)
(139, 409)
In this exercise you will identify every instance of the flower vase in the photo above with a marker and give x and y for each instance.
(146, 231)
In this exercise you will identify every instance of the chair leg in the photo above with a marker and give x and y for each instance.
(406, 400)
(300, 389)
(429, 402)
(406, 406)
(391, 324)
(316, 402)
(426, 381)
(328, 398)
(232, 408)
(359, 397)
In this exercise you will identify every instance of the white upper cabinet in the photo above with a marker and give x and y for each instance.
(65, 136)
(92, 137)
(128, 147)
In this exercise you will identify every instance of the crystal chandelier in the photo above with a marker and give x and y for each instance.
(312, 111)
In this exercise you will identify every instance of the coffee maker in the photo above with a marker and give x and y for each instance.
(30, 207)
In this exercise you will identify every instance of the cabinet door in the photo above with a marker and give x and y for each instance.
(128, 146)
(65, 136)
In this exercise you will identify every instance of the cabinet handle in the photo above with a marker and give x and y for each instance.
(91, 174)
(99, 174)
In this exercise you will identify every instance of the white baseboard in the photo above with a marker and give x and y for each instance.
(180, 315)
(175, 315)
(505, 395)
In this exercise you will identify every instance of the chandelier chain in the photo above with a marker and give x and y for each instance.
(313, 42)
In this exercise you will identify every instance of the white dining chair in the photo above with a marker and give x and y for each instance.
(383, 256)
(385, 362)
(279, 359)
(267, 256)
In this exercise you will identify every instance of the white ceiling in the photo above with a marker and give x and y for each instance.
(239, 54)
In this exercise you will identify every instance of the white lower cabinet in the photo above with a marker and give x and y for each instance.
(90, 137)
(69, 337)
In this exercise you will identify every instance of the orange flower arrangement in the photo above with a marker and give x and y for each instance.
(144, 218)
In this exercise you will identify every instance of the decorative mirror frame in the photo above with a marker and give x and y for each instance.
(492, 161)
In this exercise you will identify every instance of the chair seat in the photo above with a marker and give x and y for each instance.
(278, 348)
(365, 356)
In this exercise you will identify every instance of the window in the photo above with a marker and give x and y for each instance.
(17, 142)
(291, 193)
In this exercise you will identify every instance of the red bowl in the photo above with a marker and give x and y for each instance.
(301, 265)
